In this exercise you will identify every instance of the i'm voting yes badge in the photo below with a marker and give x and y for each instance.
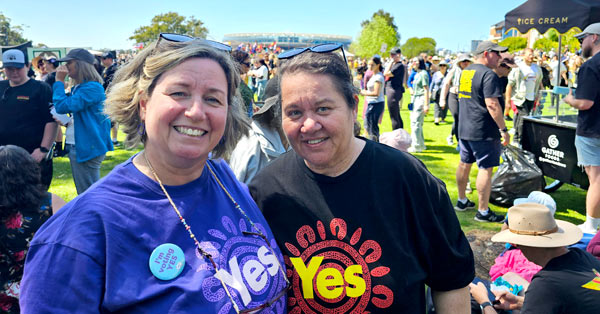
(167, 261)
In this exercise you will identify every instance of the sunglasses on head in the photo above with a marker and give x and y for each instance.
(184, 38)
(322, 48)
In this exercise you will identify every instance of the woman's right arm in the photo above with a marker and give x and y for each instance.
(85, 95)
(60, 279)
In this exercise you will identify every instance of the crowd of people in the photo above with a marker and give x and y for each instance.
(255, 188)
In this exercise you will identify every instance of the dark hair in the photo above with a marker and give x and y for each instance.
(272, 117)
(239, 56)
(422, 65)
(377, 61)
(20, 181)
(330, 64)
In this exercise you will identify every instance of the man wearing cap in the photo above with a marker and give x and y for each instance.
(110, 67)
(587, 139)
(568, 282)
(25, 118)
(524, 83)
(480, 128)
(394, 89)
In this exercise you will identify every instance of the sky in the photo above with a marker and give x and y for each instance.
(108, 24)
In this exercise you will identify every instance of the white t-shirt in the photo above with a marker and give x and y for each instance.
(554, 66)
(529, 75)
(371, 87)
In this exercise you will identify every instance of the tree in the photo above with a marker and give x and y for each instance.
(169, 23)
(372, 37)
(414, 46)
(11, 34)
(550, 40)
(514, 43)
(388, 18)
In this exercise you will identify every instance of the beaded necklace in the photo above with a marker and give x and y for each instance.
(189, 229)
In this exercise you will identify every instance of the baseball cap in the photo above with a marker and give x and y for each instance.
(489, 46)
(79, 54)
(108, 54)
(590, 29)
(508, 59)
(396, 51)
(463, 57)
(13, 58)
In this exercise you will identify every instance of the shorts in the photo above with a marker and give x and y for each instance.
(588, 151)
(485, 153)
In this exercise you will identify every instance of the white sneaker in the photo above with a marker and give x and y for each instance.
(412, 149)
(450, 140)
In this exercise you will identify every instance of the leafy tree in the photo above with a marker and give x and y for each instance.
(550, 40)
(388, 18)
(514, 43)
(373, 35)
(414, 46)
(11, 34)
(169, 23)
(545, 44)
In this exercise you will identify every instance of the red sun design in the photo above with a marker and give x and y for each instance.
(337, 254)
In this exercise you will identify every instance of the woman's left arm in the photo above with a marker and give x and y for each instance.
(375, 92)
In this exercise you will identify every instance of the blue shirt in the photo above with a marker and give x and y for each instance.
(92, 126)
(93, 255)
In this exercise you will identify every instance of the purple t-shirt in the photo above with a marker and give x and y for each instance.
(93, 256)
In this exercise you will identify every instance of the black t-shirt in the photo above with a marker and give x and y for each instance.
(383, 229)
(24, 112)
(588, 87)
(565, 285)
(108, 74)
(477, 82)
(503, 81)
(50, 79)
(396, 81)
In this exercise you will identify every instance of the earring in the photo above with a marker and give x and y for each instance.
(141, 129)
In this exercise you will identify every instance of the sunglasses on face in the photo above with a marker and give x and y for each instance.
(246, 64)
(178, 38)
(582, 38)
(322, 48)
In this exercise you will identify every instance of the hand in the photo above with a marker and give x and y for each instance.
(508, 301)
(38, 155)
(442, 104)
(505, 138)
(425, 109)
(61, 73)
(479, 292)
(569, 98)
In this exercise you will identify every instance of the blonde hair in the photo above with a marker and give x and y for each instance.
(139, 77)
(85, 73)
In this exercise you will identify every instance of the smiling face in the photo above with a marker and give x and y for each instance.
(317, 121)
(186, 113)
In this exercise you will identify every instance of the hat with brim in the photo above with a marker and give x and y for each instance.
(78, 54)
(463, 57)
(13, 58)
(508, 59)
(592, 29)
(532, 224)
(42, 56)
(269, 102)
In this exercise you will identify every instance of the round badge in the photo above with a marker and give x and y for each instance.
(167, 261)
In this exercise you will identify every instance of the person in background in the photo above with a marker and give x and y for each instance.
(173, 218)
(25, 118)
(86, 103)
(587, 138)
(374, 98)
(420, 100)
(265, 141)
(481, 128)
(395, 76)
(109, 69)
(243, 61)
(439, 113)
(567, 282)
(261, 74)
(24, 207)
(449, 94)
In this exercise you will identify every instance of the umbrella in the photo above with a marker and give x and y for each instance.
(561, 15)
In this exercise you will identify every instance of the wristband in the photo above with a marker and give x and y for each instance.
(504, 130)
(484, 305)
(43, 149)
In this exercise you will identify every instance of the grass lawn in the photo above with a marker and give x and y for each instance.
(439, 158)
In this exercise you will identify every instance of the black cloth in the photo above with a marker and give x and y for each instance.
(396, 82)
(503, 81)
(50, 79)
(565, 285)
(394, 90)
(387, 213)
(588, 87)
(453, 107)
(24, 112)
(523, 111)
(477, 82)
(108, 74)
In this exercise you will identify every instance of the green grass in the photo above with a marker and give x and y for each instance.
(439, 158)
